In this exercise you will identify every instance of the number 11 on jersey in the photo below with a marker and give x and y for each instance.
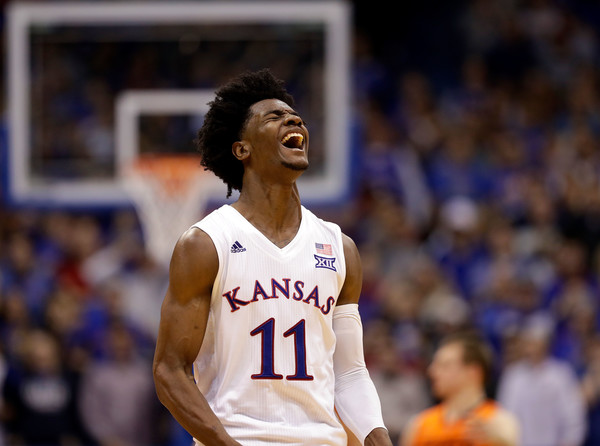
(267, 367)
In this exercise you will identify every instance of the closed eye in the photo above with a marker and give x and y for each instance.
(274, 115)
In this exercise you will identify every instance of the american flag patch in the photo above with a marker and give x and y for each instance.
(323, 249)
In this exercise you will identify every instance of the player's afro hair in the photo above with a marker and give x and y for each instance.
(226, 118)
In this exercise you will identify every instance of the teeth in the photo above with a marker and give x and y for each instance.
(289, 136)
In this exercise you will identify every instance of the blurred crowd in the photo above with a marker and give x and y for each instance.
(475, 205)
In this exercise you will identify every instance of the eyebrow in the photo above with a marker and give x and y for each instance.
(280, 112)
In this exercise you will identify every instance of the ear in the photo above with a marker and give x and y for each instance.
(240, 150)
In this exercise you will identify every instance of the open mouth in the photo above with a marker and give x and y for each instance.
(293, 140)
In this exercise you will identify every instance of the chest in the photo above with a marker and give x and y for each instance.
(254, 272)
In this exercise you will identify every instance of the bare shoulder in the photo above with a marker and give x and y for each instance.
(195, 262)
(350, 248)
(352, 256)
(353, 283)
(192, 242)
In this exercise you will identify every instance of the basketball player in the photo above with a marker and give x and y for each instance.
(260, 340)
(465, 416)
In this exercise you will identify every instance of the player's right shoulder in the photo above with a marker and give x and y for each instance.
(194, 243)
(194, 258)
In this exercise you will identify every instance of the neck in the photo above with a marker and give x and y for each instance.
(272, 208)
(463, 402)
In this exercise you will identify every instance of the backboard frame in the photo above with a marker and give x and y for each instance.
(330, 186)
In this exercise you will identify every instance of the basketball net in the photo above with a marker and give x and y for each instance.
(170, 193)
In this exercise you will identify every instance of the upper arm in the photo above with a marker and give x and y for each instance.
(350, 293)
(186, 306)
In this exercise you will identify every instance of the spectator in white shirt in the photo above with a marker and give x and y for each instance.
(543, 392)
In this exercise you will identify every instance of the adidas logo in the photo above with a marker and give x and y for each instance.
(237, 247)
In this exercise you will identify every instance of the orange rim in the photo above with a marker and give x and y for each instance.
(173, 173)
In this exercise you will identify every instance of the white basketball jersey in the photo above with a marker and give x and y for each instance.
(266, 362)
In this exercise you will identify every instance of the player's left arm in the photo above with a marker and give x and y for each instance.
(356, 398)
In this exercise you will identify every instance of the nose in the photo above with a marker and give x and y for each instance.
(293, 120)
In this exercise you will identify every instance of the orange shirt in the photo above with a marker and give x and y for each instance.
(433, 430)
